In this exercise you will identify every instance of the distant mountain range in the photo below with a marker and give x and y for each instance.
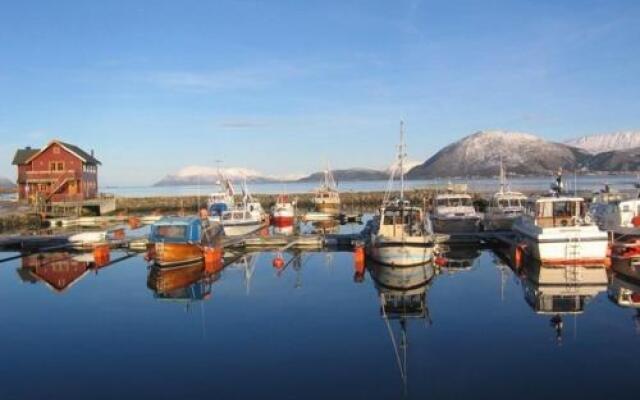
(6, 184)
(607, 142)
(477, 155)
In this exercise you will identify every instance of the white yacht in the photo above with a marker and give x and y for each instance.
(453, 212)
(326, 197)
(400, 235)
(557, 232)
(240, 221)
(505, 207)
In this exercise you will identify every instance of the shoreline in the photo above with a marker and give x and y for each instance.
(16, 216)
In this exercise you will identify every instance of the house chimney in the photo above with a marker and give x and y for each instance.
(92, 153)
(28, 148)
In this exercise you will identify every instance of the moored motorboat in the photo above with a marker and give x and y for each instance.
(399, 234)
(179, 240)
(240, 222)
(505, 207)
(327, 198)
(283, 212)
(223, 200)
(453, 212)
(558, 233)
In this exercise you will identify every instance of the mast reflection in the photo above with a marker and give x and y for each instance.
(402, 292)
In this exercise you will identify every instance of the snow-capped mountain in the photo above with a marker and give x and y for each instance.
(6, 184)
(194, 175)
(601, 143)
(480, 153)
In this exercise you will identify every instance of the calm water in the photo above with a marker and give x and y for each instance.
(590, 183)
(313, 330)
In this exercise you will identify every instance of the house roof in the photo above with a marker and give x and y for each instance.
(23, 156)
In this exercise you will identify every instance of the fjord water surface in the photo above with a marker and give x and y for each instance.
(312, 330)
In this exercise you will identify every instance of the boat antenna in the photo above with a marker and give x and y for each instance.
(402, 153)
(503, 178)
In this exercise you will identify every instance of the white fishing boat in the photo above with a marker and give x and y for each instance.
(326, 197)
(453, 212)
(557, 233)
(283, 212)
(251, 204)
(616, 212)
(240, 222)
(223, 200)
(505, 207)
(400, 234)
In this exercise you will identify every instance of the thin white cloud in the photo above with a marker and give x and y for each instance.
(224, 79)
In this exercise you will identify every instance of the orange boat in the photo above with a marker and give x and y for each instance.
(176, 241)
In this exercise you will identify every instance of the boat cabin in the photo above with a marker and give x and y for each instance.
(176, 230)
(236, 215)
(559, 212)
(397, 220)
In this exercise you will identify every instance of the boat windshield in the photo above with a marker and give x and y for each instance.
(405, 217)
(510, 203)
(170, 232)
(455, 202)
(552, 213)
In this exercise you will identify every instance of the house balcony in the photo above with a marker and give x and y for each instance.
(49, 176)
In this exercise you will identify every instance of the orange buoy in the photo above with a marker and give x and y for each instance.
(278, 261)
(212, 259)
(441, 261)
(359, 259)
(607, 262)
(517, 258)
(101, 255)
(636, 221)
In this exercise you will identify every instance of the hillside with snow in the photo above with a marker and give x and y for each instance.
(480, 154)
(607, 142)
(194, 175)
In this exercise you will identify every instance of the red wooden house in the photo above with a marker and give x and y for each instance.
(59, 172)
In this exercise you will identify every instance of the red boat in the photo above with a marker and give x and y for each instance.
(283, 213)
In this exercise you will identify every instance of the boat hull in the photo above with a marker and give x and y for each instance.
(328, 208)
(455, 225)
(400, 254)
(242, 229)
(283, 220)
(565, 246)
(499, 222)
(174, 254)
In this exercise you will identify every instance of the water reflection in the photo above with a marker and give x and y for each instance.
(559, 291)
(188, 283)
(59, 271)
(402, 292)
(459, 258)
(626, 293)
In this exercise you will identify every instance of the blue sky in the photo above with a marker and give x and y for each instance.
(281, 86)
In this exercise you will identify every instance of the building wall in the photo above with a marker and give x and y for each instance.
(55, 162)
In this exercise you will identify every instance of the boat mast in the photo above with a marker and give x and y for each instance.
(401, 155)
(503, 178)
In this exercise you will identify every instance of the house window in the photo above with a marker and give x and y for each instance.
(60, 166)
(56, 150)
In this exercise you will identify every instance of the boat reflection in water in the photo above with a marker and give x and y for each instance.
(626, 293)
(188, 284)
(402, 293)
(459, 258)
(561, 290)
(325, 227)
